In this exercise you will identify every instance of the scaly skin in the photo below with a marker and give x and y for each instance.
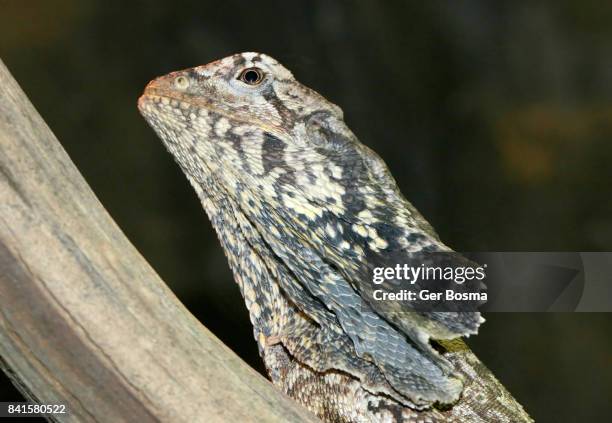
(304, 212)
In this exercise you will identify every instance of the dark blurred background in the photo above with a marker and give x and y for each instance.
(494, 117)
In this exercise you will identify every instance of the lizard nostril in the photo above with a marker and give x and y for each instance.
(181, 82)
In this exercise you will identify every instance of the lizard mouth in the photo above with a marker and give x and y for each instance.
(155, 95)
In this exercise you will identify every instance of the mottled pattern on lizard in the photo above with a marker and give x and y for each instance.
(304, 211)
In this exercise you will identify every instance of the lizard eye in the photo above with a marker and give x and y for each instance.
(181, 82)
(251, 76)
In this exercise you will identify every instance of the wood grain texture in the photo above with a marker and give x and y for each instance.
(84, 320)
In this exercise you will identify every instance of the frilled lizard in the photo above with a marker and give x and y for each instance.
(304, 211)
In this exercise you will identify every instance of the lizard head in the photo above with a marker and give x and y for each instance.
(246, 119)
(246, 88)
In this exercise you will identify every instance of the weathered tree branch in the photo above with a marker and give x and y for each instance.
(84, 320)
